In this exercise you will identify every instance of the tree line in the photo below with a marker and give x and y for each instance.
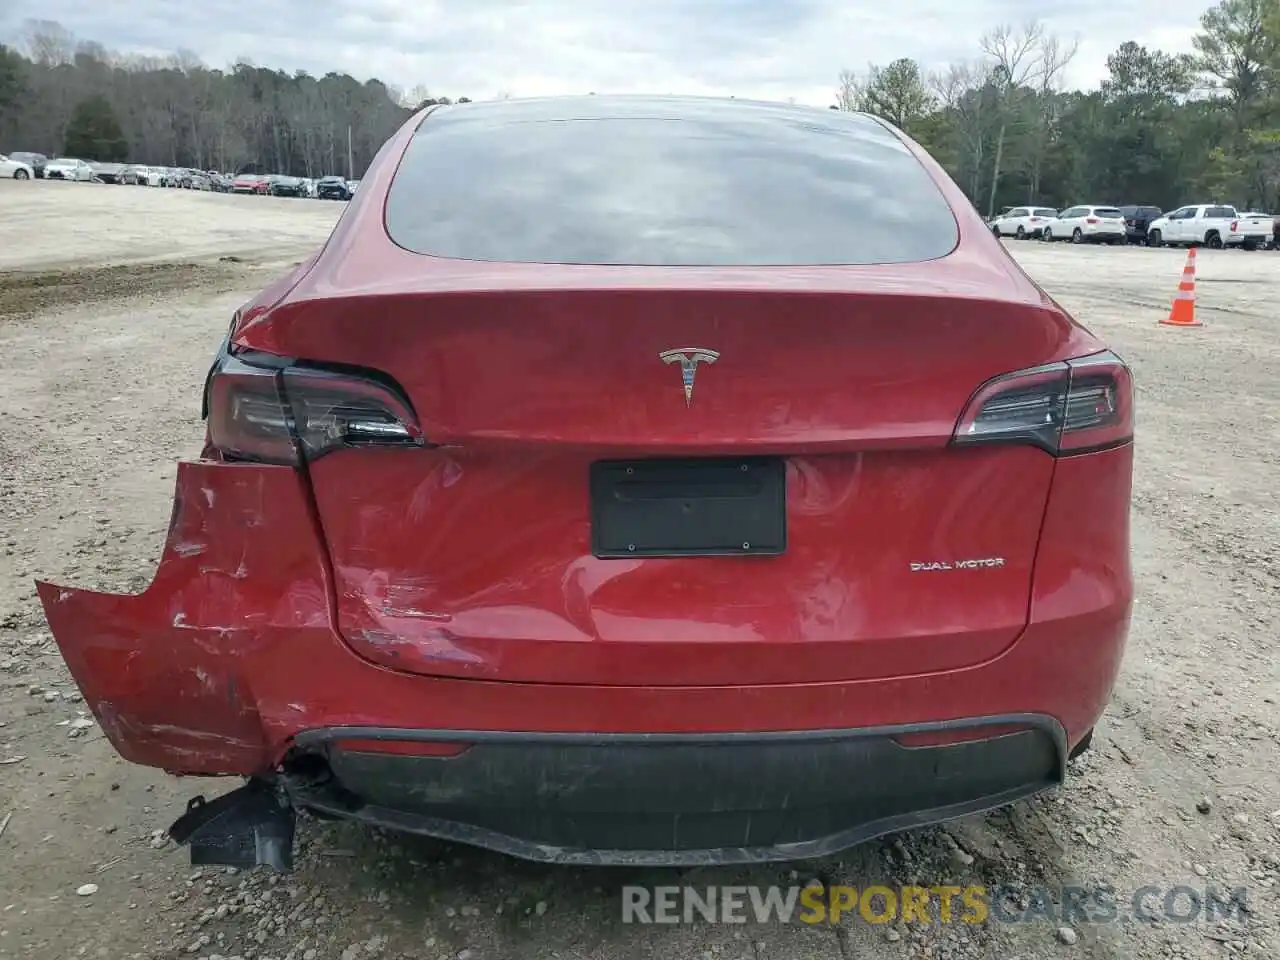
(1162, 128)
(63, 95)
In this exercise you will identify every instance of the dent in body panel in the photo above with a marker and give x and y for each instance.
(163, 670)
(491, 575)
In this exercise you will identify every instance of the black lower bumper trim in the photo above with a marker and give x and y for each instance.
(676, 800)
(248, 827)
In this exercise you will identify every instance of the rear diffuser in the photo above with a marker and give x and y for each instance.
(251, 826)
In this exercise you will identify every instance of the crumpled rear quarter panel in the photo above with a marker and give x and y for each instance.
(241, 579)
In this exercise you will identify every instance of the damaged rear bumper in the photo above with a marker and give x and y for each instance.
(230, 663)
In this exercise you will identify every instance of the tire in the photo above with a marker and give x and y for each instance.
(21, 175)
(1046, 235)
(1077, 235)
(1021, 234)
(996, 231)
(1154, 239)
(1213, 240)
(1249, 245)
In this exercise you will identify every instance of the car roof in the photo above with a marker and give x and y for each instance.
(641, 106)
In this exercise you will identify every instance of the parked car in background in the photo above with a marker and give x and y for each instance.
(194, 180)
(15, 169)
(250, 183)
(1087, 224)
(1252, 230)
(1204, 225)
(220, 182)
(353, 186)
(333, 188)
(68, 168)
(287, 187)
(1137, 218)
(1023, 222)
(36, 161)
(107, 172)
(140, 175)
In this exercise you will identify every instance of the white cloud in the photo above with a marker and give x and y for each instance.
(769, 49)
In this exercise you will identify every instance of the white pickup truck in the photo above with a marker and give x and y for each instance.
(1209, 225)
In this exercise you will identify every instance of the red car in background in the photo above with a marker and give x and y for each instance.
(251, 183)
(633, 480)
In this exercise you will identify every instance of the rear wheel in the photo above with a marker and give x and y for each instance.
(20, 175)
(1213, 240)
(1077, 235)
(1249, 245)
(1021, 234)
(1154, 239)
(996, 231)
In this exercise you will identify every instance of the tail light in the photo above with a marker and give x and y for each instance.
(1035, 219)
(1091, 220)
(1077, 406)
(1235, 225)
(289, 414)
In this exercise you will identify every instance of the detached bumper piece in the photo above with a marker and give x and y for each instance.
(671, 800)
(248, 827)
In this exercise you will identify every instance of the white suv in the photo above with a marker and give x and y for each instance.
(1090, 224)
(1023, 222)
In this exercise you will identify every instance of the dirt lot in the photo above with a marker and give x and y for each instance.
(99, 396)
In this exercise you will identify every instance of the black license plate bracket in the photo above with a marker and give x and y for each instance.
(689, 507)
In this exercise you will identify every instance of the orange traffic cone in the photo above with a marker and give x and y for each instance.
(1183, 312)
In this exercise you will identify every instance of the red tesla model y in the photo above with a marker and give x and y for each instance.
(633, 480)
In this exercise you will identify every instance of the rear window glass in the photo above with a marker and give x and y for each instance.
(1044, 212)
(1220, 212)
(665, 185)
(1107, 211)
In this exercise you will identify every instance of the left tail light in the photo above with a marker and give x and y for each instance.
(291, 414)
(1091, 220)
(1076, 406)
(1235, 225)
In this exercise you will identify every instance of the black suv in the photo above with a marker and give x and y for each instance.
(1136, 220)
(332, 188)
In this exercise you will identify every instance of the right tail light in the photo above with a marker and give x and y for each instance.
(1075, 406)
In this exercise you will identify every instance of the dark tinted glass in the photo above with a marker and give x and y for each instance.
(1220, 212)
(664, 182)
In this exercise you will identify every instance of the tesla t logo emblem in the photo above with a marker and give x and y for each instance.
(689, 358)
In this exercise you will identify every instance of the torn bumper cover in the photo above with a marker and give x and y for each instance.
(229, 663)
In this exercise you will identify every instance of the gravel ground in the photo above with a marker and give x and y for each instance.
(105, 340)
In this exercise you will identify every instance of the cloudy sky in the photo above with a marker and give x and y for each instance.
(771, 49)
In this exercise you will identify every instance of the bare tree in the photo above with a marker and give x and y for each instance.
(849, 91)
(48, 43)
(962, 90)
(1015, 58)
(1054, 58)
